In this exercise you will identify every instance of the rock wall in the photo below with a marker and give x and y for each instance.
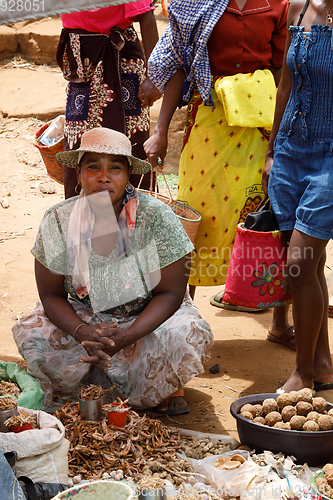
(35, 40)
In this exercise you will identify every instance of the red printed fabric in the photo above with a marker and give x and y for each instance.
(102, 20)
(257, 274)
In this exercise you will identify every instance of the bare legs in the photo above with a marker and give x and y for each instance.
(192, 291)
(280, 322)
(306, 260)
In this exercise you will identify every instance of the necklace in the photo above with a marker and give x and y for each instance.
(329, 19)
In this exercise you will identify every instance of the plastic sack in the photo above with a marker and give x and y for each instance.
(274, 490)
(228, 483)
(32, 395)
(42, 454)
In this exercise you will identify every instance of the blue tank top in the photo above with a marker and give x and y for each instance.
(309, 111)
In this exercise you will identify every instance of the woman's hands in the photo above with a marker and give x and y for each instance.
(265, 173)
(148, 93)
(156, 147)
(97, 341)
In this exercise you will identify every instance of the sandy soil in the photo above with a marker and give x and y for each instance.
(248, 363)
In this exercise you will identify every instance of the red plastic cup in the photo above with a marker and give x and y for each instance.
(118, 418)
(21, 428)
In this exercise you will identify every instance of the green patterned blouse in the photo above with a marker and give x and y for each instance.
(116, 286)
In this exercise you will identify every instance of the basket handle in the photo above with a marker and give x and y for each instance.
(167, 185)
(151, 182)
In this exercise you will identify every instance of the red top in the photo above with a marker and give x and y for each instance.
(254, 38)
(102, 20)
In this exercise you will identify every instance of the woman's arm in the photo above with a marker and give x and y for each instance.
(59, 311)
(148, 93)
(168, 296)
(156, 146)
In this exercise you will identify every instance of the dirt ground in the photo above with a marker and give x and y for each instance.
(249, 364)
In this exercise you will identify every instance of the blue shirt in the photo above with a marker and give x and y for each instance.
(184, 45)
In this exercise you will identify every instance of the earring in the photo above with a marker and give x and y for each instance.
(129, 188)
(77, 188)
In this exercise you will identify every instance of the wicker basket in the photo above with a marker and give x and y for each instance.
(105, 490)
(189, 217)
(48, 153)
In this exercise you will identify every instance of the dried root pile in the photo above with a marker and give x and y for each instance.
(21, 419)
(9, 389)
(93, 392)
(203, 447)
(97, 449)
(7, 403)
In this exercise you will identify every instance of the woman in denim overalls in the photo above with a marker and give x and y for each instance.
(299, 167)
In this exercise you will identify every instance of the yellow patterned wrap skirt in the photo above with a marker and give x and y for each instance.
(220, 177)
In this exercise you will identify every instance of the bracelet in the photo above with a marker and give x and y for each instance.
(76, 329)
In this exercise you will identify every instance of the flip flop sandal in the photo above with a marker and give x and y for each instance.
(284, 338)
(177, 411)
(318, 386)
(217, 300)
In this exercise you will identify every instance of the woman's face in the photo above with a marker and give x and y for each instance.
(103, 172)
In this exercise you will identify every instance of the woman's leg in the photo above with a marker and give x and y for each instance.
(306, 260)
(192, 291)
(281, 328)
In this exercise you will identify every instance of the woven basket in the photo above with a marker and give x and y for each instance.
(48, 153)
(189, 217)
(104, 490)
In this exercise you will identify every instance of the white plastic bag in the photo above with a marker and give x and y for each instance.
(228, 483)
(54, 132)
(42, 453)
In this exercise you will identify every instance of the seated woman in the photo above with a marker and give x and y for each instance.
(111, 269)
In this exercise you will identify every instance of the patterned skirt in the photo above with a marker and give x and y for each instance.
(146, 372)
(104, 74)
(220, 177)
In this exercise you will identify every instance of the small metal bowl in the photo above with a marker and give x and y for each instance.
(4, 415)
(91, 410)
(156, 494)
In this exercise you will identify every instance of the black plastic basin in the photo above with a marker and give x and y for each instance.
(315, 448)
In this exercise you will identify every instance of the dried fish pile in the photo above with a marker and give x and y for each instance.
(20, 419)
(96, 449)
(7, 403)
(9, 389)
(93, 392)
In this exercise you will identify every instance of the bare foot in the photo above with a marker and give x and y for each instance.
(295, 383)
(280, 328)
(323, 375)
(174, 404)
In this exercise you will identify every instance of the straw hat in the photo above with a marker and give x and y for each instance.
(104, 140)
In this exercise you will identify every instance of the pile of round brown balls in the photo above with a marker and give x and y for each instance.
(295, 410)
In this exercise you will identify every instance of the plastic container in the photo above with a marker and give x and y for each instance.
(21, 428)
(4, 415)
(315, 448)
(118, 417)
(91, 410)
